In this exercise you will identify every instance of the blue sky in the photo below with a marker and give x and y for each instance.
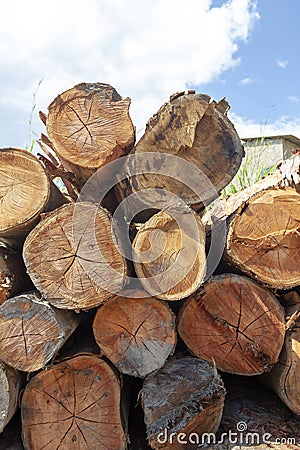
(244, 50)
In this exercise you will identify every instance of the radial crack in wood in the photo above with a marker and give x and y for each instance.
(136, 334)
(32, 332)
(25, 192)
(89, 126)
(74, 404)
(235, 322)
(73, 257)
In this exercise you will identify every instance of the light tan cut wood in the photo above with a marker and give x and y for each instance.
(13, 277)
(11, 382)
(264, 238)
(73, 405)
(284, 378)
(235, 322)
(73, 257)
(185, 396)
(199, 132)
(89, 126)
(32, 332)
(25, 192)
(136, 334)
(169, 253)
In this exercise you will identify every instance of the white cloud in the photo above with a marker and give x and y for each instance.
(146, 50)
(249, 128)
(293, 98)
(245, 81)
(282, 63)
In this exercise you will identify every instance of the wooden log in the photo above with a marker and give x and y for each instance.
(136, 334)
(73, 257)
(235, 322)
(32, 332)
(26, 192)
(197, 131)
(255, 418)
(89, 126)
(284, 378)
(262, 238)
(13, 277)
(185, 396)
(169, 253)
(11, 382)
(74, 404)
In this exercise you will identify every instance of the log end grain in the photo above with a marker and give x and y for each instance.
(32, 332)
(89, 125)
(24, 192)
(185, 396)
(169, 252)
(136, 334)
(73, 257)
(74, 404)
(264, 240)
(235, 322)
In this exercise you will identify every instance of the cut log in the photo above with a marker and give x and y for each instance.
(25, 192)
(255, 418)
(262, 240)
(284, 378)
(136, 334)
(73, 257)
(235, 322)
(89, 126)
(183, 399)
(199, 135)
(169, 253)
(11, 382)
(32, 332)
(13, 277)
(74, 404)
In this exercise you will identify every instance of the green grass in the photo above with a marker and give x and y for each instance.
(252, 169)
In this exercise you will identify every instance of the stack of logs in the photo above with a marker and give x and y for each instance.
(100, 350)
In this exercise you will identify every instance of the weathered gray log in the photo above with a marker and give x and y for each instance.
(32, 331)
(185, 396)
(11, 382)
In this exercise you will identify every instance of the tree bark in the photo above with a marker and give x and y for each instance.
(262, 239)
(13, 277)
(136, 334)
(185, 397)
(11, 382)
(32, 332)
(74, 404)
(169, 253)
(197, 131)
(284, 378)
(89, 126)
(73, 257)
(26, 192)
(235, 322)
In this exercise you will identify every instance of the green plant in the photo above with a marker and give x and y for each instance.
(252, 169)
